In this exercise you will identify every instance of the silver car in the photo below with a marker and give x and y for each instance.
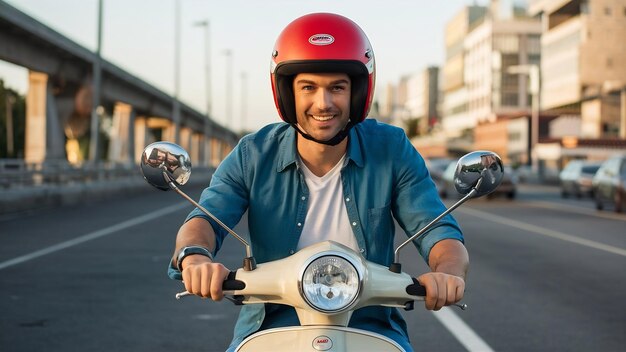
(609, 184)
(576, 178)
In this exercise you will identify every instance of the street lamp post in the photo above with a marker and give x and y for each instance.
(532, 71)
(97, 78)
(207, 63)
(176, 102)
(207, 66)
(244, 98)
(229, 87)
(622, 128)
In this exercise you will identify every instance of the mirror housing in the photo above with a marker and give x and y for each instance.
(165, 162)
(482, 170)
(166, 166)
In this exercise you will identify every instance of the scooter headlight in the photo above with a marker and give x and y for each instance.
(330, 284)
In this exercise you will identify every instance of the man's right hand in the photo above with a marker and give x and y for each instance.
(204, 278)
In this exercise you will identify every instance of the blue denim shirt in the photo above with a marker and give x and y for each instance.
(384, 178)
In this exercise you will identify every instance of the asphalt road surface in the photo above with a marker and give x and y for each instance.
(546, 275)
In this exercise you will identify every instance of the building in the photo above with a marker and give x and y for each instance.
(505, 39)
(454, 106)
(583, 64)
(582, 72)
(418, 96)
(485, 48)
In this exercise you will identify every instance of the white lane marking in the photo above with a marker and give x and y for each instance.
(542, 231)
(576, 209)
(461, 331)
(209, 316)
(93, 235)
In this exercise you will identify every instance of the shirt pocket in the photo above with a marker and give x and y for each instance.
(380, 233)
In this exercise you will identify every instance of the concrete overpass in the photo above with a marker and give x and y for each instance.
(59, 102)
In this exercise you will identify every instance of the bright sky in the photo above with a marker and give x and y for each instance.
(138, 35)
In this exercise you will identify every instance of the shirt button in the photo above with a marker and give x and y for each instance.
(362, 250)
(291, 251)
(347, 199)
(303, 198)
(354, 223)
(299, 224)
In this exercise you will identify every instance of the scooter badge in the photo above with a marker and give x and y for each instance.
(322, 343)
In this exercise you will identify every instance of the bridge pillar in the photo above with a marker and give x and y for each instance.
(44, 140)
(205, 144)
(121, 145)
(216, 151)
(196, 150)
(170, 131)
(142, 137)
(206, 159)
(185, 138)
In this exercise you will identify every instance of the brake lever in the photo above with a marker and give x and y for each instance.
(462, 306)
(236, 299)
(180, 295)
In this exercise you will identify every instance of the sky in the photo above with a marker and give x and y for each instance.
(139, 36)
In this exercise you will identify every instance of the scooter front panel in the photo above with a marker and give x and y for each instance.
(316, 339)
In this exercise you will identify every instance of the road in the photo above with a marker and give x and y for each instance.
(546, 274)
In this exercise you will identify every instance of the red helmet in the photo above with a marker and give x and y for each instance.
(318, 43)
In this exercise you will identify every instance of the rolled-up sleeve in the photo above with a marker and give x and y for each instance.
(417, 203)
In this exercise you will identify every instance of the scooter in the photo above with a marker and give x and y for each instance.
(324, 282)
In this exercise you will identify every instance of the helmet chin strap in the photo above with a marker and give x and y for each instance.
(338, 138)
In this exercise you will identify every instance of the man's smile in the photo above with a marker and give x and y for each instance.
(322, 118)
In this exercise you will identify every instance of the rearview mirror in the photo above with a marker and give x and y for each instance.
(164, 162)
(480, 169)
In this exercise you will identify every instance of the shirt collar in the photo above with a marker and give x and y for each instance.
(288, 153)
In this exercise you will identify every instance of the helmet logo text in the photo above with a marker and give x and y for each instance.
(321, 39)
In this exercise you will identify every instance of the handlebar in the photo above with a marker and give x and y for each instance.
(230, 284)
(416, 289)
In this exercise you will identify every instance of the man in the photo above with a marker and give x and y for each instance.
(326, 174)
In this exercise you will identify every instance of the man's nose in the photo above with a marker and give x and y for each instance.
(323, 99)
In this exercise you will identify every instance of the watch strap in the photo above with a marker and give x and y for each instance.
(189, 250)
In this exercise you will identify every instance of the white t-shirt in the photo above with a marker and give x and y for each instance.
(327, 217)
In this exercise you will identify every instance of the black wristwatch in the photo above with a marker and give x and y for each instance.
(189, 250)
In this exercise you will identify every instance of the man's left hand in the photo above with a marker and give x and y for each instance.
(441, 289)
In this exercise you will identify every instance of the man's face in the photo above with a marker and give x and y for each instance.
(322, 103)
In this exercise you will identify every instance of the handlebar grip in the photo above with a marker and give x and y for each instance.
(232, 284)
(416, 289)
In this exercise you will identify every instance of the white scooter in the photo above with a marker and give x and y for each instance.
(324, 282)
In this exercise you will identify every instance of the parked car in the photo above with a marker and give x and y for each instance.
(508, 187)
(576, 178)
(436, 168)
(609, 184)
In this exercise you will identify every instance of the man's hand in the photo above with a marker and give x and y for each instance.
(203, 277)
(445, 285)
(441, 289)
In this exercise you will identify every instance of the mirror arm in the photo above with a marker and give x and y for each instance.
(396, 267)
(249, 262)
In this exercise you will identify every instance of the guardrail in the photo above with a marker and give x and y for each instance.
(27, 186)
(15, 173)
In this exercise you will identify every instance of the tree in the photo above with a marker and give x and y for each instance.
(13, 117)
